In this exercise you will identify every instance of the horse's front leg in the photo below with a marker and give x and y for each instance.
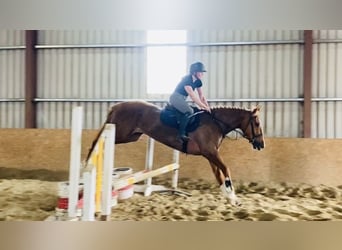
(223, 178)
(229, 192)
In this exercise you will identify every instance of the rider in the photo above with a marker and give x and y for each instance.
(185, 88)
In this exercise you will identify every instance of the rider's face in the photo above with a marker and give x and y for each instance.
(199, 75)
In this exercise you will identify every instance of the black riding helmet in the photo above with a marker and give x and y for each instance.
(197, 67)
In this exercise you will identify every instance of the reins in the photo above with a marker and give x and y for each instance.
(239, 132)
(220, 123)
(197, 113)
(225, 129)
(213, 118)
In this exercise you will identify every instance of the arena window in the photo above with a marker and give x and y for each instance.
(166, 60)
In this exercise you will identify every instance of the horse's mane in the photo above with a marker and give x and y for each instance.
(230, 108)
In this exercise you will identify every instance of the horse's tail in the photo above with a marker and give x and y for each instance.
(98, 135)
(94, 143)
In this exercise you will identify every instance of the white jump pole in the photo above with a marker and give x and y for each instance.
(148, 187)
(149, 165)
(143, 175)
(89, 176)
(108, 162)
(75, 160)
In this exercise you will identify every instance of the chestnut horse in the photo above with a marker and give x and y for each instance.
(134, 118)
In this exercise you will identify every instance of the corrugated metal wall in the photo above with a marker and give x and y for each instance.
(12, 71)
(89, 72)
(327, 84)
(235, 72)
(244, 67)
(256, 71)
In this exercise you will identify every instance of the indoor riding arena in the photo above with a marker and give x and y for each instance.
(294, 77)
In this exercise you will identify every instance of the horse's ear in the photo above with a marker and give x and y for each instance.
(256, 109)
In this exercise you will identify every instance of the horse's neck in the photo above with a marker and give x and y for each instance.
(231, 117)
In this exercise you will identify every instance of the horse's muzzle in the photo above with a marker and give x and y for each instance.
(258, 145)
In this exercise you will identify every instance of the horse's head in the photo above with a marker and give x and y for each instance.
(252, 129)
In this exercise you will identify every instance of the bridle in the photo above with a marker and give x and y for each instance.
(254, 135)
(250, 123)
(223, 126)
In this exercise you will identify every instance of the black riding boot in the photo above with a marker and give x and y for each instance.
(184, 120)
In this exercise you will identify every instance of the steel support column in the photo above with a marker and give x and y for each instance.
(30, 78)
(308, 40)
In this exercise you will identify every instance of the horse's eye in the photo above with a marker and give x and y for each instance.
(256, 121)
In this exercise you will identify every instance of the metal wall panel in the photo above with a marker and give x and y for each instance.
(12, 73)
(235, 72)
(88, 73)
(90, 37)
(257, 69)
(257, 72)
(12, 38)
(327, 84)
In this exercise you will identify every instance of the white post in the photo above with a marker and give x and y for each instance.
(108, 163)
(149, 159)
(88, 211)
(176, 171)
(149, 173)
(75, 160)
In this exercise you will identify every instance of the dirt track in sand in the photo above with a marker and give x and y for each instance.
(35, 200)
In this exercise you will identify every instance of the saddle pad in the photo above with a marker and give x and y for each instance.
(170, 118)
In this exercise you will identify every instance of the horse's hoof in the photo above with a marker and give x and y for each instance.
(235, 203)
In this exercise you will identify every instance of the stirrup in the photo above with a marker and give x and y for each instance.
(184, 138)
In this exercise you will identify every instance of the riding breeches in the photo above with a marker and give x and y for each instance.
(179, 102)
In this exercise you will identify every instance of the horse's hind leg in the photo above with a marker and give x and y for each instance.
(133, 137)
(125, 136)
(125, 123)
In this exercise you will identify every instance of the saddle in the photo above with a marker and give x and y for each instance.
(170, 116)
